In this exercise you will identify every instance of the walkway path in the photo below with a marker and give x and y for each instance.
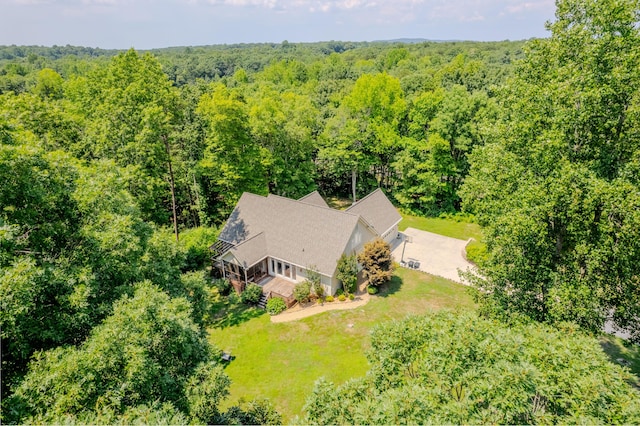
(298, 312)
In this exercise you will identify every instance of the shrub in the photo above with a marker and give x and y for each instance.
(342, 298)
(351, 296)
(347, 272)
(302, 291)
(372, 290)
(476, 252)
(233, 298)
(318, 289)
(275, 306)
(328, 299)
(251, 294)
(223, 286)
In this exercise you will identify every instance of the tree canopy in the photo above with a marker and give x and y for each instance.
(458, 368)
(556, 187)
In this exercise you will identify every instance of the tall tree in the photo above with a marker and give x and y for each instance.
(233, 160)
(364, 134)
(557, 187)
(130, 109)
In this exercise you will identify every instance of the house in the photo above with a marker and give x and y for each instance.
(274, 241)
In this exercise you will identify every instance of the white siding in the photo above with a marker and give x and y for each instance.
(360, 236)
(391, 235)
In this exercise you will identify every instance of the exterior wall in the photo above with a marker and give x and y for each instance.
(360, 236)
(390, 235)
(299, 271)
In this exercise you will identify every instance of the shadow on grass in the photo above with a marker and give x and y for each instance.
(623, 353)
(392, 287)
(228, 313)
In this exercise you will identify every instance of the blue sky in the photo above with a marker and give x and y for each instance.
(145, 24)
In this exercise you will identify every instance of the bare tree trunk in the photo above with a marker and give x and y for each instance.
(354, 175)
(173, 188)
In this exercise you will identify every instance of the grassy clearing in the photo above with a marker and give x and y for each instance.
(617, 350)
(282, 361)
(443, 226)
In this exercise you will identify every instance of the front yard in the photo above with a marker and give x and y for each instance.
(282, 361)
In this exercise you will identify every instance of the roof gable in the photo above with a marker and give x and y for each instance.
(314, 198)
(377, 210)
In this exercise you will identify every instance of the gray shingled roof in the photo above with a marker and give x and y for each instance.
(298, 232)
(377, 210)
(250, 251)
(314, 198)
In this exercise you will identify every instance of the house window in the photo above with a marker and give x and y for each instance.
(273, 266)
(279, 268)
(293, 272)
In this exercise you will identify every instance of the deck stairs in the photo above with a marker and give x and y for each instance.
(262, 303)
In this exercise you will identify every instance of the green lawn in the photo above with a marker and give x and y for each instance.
(443, 226)
(617, 350)
(282, 361)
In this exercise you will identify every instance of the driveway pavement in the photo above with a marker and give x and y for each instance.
(437, 254)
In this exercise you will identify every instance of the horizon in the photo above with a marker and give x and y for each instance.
(149, 24)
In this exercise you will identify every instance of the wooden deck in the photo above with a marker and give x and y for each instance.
(277, 285)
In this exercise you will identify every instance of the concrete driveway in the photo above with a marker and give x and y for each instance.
(437, 254)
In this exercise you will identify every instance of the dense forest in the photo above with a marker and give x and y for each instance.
(117, 167)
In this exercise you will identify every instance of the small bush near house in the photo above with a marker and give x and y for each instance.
(302, 291)
(342, 298)
(275, 306)
(351, 296)
(328, 299)
(251, 294)
(223, 286)
(372, 290)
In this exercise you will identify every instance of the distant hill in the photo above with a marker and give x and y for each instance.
(413, 40)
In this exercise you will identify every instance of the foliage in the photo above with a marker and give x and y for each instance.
(352, 296)
(329, 299)
(144, 352)
(459, 368)
(376, 261)
(196, 242)
(251, 294)
(276, 305)
(315, 280)
(206, 388)
(302, 291)
(342, 298)
(372, 290)
(476, 252)
(347, 272)
(255, 412)
(223, 285)
(557, 187)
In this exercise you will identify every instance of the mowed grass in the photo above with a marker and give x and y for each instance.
(444, 226)
(282, 361)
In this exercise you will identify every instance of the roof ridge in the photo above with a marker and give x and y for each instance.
(249, 239)
(313, 205)
(378, 189)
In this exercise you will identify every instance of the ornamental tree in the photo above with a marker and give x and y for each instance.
(376, 262)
